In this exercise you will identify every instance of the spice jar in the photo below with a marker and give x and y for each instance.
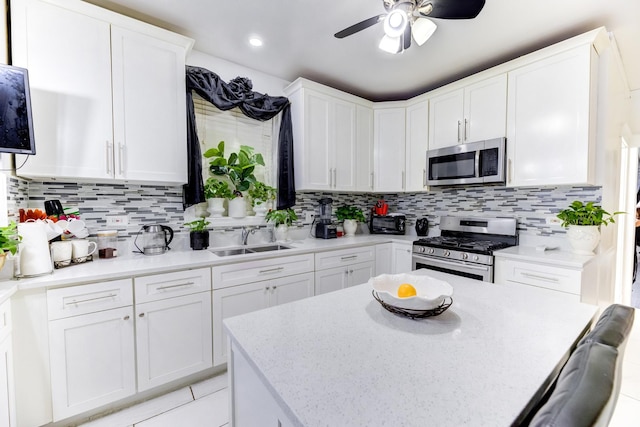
(107, 243)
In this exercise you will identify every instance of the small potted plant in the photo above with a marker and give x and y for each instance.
(350, 215)
(282, 218)
(216, 191)
(583, 223)
(198, 235)
(260, 195)
(9, 240)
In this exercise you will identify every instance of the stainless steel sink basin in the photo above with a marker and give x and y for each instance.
(237, 251)
(248, 250)
(269, 248)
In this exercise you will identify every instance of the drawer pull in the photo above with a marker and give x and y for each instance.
(90, 299)
(179, 285)
(141, 315)
(126, 318)
(344, 258)
(272, 270)
(535, 276)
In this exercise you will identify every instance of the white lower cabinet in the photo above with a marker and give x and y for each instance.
(401, 254)
(7, 393)
(383, 259)
(343, 268)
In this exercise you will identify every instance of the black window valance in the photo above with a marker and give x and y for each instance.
(225, 96)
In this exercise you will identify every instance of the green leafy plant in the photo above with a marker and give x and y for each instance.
(585, 214)
(199, 224)
(9, 238)
(261, 192)
(215, 188)
(350, 212)
(281, 216)
(239, 167)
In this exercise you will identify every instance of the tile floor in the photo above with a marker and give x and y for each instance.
(207, 403)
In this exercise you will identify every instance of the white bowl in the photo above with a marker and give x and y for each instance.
(431, 292)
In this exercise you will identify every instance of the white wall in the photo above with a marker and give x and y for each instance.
(634, 122)
(263, 83)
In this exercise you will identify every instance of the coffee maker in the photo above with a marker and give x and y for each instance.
(325, 229)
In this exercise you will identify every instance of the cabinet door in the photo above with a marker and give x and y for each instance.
(7, 395)
(343, 145)
(149, 108)
(445, 119)
(485, 109)
(173, 338)
(361, 273)
(384, 264)
(548, 124)
(317, 141)
(234, 301)
(417, 145)
(402, 257)
(389, 149)
(364, 148)
(332, 279)
(289, 289)
(69, 60)
(92, 360)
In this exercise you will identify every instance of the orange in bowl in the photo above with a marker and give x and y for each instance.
(406, 290)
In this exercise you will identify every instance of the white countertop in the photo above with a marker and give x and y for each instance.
(557, 257)
(340, 359)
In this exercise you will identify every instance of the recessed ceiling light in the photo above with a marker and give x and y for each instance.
(255, 41)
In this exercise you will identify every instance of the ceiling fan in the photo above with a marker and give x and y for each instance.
(407, 18)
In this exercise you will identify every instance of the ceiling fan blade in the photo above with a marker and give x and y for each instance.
(359, 26)
(407, 37)
(453, 9)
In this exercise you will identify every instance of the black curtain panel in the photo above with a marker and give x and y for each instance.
(225, 96)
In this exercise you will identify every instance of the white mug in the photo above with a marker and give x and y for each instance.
(61, 252)
(81, 248)
(75, 226)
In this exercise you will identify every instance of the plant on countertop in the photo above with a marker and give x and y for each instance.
(216, 189)
(199, 224)
(9, 238)
(281, 216)
(261, 192)
(585, 214)
(199, 235)
(350, 212)
(239, 167)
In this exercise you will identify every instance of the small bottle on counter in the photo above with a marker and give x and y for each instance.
(107, 244)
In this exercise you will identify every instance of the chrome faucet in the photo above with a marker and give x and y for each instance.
(245, 233)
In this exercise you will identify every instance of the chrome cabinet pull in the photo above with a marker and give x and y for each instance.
(121, 158)
(109, 157)
(74, 302)
(344, 258)
(350, 271)
(274, 288)
(424, 177)
(459, 123)
(509, 171)
(125, 318)
(372, 180)
(271, 270)
(404, 180)
(466, 122)
(179, 285)
(335, 177)
(141, 315)
(268, 288)
(535, 276)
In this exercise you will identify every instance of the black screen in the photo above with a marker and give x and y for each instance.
(16, 125)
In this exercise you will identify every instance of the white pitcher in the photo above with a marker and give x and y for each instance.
(35, 258)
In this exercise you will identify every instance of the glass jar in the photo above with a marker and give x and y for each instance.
(107, 244)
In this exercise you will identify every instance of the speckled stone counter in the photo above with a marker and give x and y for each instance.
(340, 359)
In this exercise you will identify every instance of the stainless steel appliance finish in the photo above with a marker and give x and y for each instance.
(465, 246)
(473, 163)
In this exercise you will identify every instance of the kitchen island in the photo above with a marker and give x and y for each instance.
(341, 359)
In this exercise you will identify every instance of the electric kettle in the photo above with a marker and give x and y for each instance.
(156, 239)
(422, 227)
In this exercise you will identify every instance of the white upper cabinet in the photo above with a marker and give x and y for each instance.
(473, 112)
(329, 133)
(389, 149)
(108, 94)
(549, 126)
(417, 144)
(364, 148)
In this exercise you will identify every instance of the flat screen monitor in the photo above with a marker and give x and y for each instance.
(16, 124)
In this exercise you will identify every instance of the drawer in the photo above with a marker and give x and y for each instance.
(168, 285)
(541, 275)
(253, 271)
(90, 298)
(5, 319)
(344, 257)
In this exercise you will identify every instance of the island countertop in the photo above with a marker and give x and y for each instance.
(342, 359)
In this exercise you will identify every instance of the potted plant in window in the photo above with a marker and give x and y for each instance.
(216, 191)
(583, 223)
(350, 215)
(282, 218)
(198, 235)
(261, 194)
(9, 240)
(239, 168)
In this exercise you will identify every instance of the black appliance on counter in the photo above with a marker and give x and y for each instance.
(465, 246)
(387, 224)
(325, 229)
(422, 226)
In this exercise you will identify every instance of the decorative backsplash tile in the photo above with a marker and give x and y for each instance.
(150, 204)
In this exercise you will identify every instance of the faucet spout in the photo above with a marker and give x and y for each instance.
(245, 234)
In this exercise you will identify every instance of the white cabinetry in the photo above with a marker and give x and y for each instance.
(91, 343)
(7, 393)
(417, 144)
(473, 112)
(107, 93)
(550, 122)
(393, 258)
(343, 268)
(389, 149)
(246, 287)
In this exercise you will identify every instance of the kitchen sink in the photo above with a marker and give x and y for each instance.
(269, 248)
(248, 250)
(236, 251)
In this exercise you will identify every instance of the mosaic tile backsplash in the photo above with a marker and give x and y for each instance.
(148, 204)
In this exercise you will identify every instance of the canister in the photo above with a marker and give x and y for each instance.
(107, 243)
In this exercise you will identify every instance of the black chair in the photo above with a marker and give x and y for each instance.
(612, 327)
(584, 394)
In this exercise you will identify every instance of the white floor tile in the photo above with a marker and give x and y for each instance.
(625, 413)
(209, 411)
(210, 385)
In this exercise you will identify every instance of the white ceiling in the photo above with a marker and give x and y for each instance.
(298, 38)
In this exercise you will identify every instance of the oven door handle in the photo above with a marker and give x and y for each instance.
(455, 264)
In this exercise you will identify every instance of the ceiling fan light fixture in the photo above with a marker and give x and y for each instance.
(422, 29)
(390, 44)
(395, 23)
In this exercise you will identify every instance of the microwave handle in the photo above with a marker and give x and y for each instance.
(478, 163)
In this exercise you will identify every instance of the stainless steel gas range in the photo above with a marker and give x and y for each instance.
(465, 246)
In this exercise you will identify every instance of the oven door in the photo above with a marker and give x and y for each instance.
(458, 268)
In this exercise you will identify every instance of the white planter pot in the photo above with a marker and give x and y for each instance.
(350, 226)
(215, 207)
(260, 207)
(238, 207)
(282, 233)
(583, 238)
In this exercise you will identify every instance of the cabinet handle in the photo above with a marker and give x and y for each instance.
(121, 158)
(109, 157)
(404, 180)
(372, 180)
(268, 288)
(335, 177)
(466, 122)
(350, 271)
(141, 315)
(346, 272)
(126, 318)
(459, 123)
(535, 276)
(424, 177)
(274, 288)
(330, 177)
(344, 258)
(74, 302)
(271, 270)
(509, 171)
(162, 288)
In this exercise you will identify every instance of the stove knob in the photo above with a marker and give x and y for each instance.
(446, 253)
(421, 249)
(464, 256)
(431, 250)
(476, 258)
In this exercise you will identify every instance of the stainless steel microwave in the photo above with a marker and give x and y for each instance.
(473, 163)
